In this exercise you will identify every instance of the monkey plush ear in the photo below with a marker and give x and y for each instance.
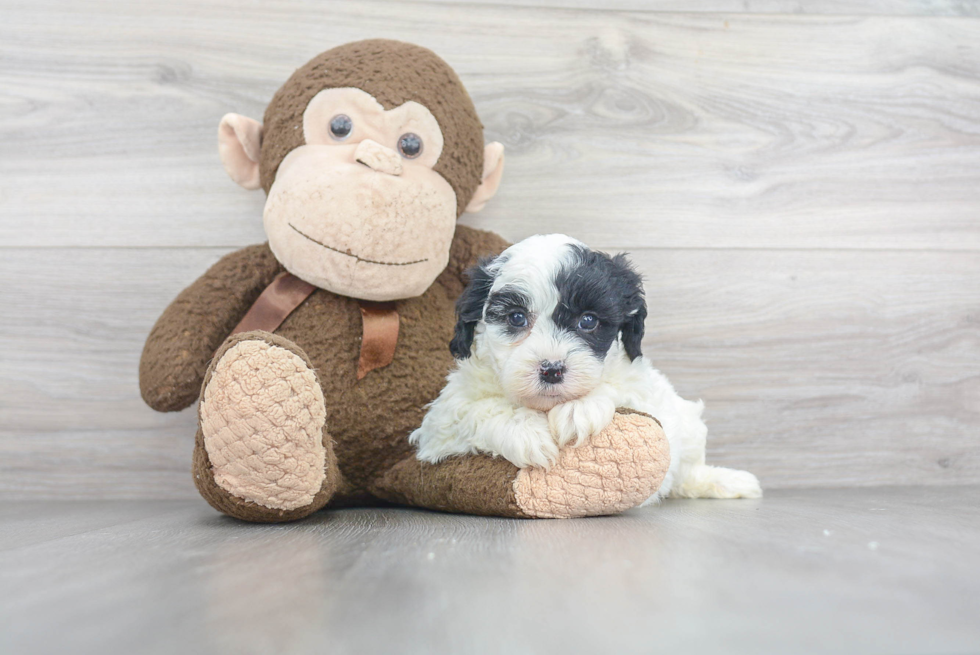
(493, 169)
(240, 145)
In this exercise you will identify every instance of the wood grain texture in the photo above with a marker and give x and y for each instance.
(797, 181)
(796, 7)
(817, 368)
(624, 129)
(890, 570)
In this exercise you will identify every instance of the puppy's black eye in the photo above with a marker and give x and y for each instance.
(588, 322)
(517, 319)
(341, 126)
(410, 145)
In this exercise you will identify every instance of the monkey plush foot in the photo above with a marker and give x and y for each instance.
(265, 455)
(616, 470)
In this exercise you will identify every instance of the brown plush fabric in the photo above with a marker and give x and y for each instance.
(181, 344)
(473, 484)
(370, 419)
(394, 73)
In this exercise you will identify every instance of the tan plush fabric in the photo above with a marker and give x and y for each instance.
(493, 171)
(618, 469)
(232, 505)
(373, 155)
(262, 417)
(240, 147)
(348, 229)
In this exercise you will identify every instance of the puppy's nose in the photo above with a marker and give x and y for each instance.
(551, 372)
(377, 157)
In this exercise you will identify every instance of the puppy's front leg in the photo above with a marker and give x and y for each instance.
(456, 425)
(583, 417)
(519, 435)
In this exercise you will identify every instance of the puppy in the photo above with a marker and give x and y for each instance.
(548, 346)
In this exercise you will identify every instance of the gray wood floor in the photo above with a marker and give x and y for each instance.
(886, 570)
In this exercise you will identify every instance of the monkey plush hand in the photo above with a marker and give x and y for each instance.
(314, 355)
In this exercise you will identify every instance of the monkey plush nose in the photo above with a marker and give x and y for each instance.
(551, 372)
(377, 157)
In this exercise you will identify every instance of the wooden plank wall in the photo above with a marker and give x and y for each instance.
(799, 182)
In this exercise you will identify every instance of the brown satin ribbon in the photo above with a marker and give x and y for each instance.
(287, 292)
(380, 321)
(280, 298)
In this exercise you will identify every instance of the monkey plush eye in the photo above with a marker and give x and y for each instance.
(517, 319)
(410, 145)
(588, 322)
(341, 126)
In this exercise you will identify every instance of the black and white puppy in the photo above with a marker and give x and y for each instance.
(548, 346)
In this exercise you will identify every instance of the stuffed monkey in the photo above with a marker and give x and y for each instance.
(315, 354)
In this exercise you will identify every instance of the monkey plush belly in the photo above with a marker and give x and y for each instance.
(370, 419)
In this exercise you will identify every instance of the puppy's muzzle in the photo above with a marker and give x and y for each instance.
(551, 372)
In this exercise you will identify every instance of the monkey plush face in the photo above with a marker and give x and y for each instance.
(357, 208)
(368, 155)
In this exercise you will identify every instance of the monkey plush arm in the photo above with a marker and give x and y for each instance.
(181, 344)
(621, 467)
(467, 484)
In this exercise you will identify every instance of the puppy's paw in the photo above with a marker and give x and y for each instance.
(577, 420)
(525, 440)
(529, 449)
(706, 481)
(744, 485)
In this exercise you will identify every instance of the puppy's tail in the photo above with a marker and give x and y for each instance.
(705, 481)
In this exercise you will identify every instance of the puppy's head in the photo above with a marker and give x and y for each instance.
(546, 314)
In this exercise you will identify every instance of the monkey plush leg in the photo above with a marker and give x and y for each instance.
(262, 451)
(617, 469)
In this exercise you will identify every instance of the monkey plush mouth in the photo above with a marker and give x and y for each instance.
(348, 253)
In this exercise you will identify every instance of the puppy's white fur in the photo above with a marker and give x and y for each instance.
(494, 401)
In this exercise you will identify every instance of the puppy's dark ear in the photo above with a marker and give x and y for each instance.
(631, 291)
(469, 307)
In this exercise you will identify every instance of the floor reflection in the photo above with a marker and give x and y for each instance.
(265, 588)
